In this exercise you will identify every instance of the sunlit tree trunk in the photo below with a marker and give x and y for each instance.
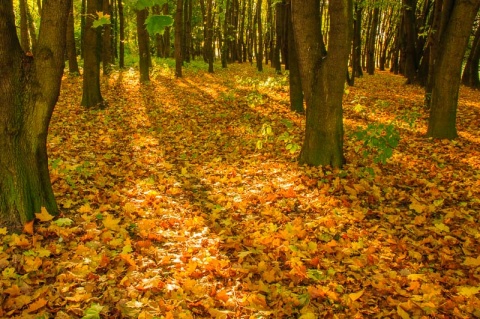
(29, 89)
(24, 36)
(323, 78)
(448, 66)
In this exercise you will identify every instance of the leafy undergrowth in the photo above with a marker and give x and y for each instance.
(183, 199)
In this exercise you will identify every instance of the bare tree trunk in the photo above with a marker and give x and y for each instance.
(259, 53)
(121, 18)
(143, 45)
(470, 74)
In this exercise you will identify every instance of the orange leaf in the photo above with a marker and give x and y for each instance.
(37, 305)
(222, 295)
(28, 228)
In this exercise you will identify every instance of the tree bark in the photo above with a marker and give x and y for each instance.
(294, 78)
(143, 45)
(24, 36)
(371, 41)
(409, 8)
(107, 49)
(29, 89)
(323, 78)
(447, 73)
(178, 39)
(121, 49)
(357, 42)
(259, 53)
(92, 97)
(71, 49)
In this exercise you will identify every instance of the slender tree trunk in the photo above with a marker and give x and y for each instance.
(259, 53)
(295, 80)
(71, 48)
(29, 89)
(409, 8)
(323, 78)
(357, 42)
(447, 73)
(225, 42)
(279, 18)
(92, 97)
(470, 74)
(178, 39)
(24, 36)
(31, 28)
(83, 20)
(143, 46)
(107, 51)
(121, 49)
(166, 33)
(371, 41)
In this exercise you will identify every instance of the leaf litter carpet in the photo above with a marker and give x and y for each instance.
(183, 199)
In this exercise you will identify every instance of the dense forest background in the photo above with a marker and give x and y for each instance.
(239, 159)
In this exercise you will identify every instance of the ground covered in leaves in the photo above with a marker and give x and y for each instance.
(183, 199)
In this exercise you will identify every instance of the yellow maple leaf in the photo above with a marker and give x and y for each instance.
(43, 216)
(3, 231)
(111, 223)
(417, 206)
(85, 208)
(468, 291)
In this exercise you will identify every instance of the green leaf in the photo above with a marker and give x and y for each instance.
(93, 312)
(63, 222)
(157, 23)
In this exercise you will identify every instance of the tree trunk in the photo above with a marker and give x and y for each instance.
(371, 41)
(31, 28)
(224, 43)
(259, 53)
(107, 51)
(279, 18)
(83, 20)
(92, 97)
(448, 66)
(323, 78)
(357, 42)
(29, 89)
(143, 45)
(166, 34)
(121, 49)
(24, 37)
(296, 92)
(178, 39)
(470, 74)
(409, 8)
(71, 49)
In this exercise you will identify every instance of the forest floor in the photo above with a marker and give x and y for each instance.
(183, 199)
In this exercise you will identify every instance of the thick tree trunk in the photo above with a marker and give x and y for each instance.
(92, 97)
(178, 39)
(323, 78)
(143, 45)
(29, 89)
(295, 80)
(71, 49)
(470, 74)
(448, 65)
